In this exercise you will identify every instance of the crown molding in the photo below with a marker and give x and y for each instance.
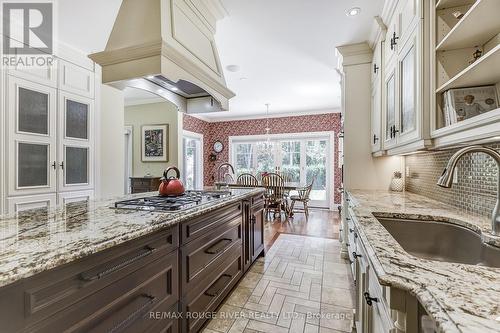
(354, 54)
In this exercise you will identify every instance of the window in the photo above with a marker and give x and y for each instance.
(193, 161)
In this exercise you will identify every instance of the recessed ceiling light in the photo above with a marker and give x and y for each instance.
(233, 68)
(353, 11)
(175, 89)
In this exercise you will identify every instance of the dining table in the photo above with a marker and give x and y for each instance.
(287, 186)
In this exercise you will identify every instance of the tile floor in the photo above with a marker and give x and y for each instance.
(301, 285)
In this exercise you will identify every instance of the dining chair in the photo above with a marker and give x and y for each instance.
(304, 197)
(274, 198)
(247, 179)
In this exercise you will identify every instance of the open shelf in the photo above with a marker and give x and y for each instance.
(479, 25)
(482, 72)
(452, 3)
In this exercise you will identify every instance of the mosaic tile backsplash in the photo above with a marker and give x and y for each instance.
(476, 190)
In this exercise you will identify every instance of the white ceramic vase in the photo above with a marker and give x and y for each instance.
(397, 184)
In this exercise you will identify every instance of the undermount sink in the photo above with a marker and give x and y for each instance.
(441, 241)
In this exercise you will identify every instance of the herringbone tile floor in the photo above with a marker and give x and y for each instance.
(301, 285)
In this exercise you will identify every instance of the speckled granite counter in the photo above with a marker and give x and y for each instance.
(38, 240)
(459, 297)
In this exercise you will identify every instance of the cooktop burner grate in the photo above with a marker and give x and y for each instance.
(171, 203)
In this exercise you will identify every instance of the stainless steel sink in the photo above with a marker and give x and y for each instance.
(441, 241)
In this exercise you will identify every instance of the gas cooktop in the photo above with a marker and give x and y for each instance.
(158, 203)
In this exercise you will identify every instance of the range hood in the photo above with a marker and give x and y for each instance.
(167, 47)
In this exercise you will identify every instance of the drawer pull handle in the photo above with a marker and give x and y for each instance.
(138, 313)
(356, 255)
(214, 293)
(351, 230)
(369, 299)
(216, 248)
(146, 251)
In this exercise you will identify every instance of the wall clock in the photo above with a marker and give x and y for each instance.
(218, 146)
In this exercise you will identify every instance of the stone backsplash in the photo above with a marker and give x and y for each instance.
(476, 190)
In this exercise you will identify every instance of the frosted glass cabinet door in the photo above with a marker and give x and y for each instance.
(390, 109)
(408, 85)
(76, 144)
(31, 137)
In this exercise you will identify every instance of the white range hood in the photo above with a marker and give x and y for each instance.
(167, 47)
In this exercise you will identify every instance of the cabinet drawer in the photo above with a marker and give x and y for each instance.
(50, 293)
(124, 305)
(202, 225)
(258, 200)
(207, 299)
(206, 253)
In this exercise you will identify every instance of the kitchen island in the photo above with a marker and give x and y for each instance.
(90, 267)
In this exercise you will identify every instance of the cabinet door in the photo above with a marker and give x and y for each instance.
(377, 62)
(257, 227)
(390, 108)
(391, 40)
(409, 12)
(409, 111)
(32, 137)
(75, 79)
(376, 116)
(21, 203)
(72, 197)
(75, 142)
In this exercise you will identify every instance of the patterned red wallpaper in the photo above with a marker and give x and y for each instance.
(213, 131)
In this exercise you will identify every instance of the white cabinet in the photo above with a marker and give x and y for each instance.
(372, 312)
(76, 79)
(403, 114)
(376, 99)
(71, 197)
(75, 148)
(50, 124)
(389, 109)
(31, 119)
(21, 203)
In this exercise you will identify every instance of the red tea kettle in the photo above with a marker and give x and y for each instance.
(171, 185)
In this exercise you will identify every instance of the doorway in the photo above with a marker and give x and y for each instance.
(302, 156)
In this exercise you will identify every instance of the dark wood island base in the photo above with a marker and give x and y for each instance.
(167, 281)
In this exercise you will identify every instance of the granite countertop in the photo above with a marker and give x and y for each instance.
(459, 297)
(36, 240)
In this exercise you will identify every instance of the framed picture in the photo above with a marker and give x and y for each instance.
(154, 143)
(465, 103)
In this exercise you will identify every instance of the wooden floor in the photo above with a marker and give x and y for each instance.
(321, 223)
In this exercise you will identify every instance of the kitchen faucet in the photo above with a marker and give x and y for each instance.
(221, 177)
(446, 178)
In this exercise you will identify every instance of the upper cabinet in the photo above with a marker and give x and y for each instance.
(440, 76)
(466, 84)
(404, 117)
(376, 99)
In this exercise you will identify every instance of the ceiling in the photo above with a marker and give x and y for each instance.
(285, 49)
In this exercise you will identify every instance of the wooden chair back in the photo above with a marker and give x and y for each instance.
(247, 179)
(305, 192)
(274, 185)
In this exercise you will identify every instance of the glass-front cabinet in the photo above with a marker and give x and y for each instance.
(390, 108)
(50, 143)
(75, 171)
(32, 133)
(408, 92)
